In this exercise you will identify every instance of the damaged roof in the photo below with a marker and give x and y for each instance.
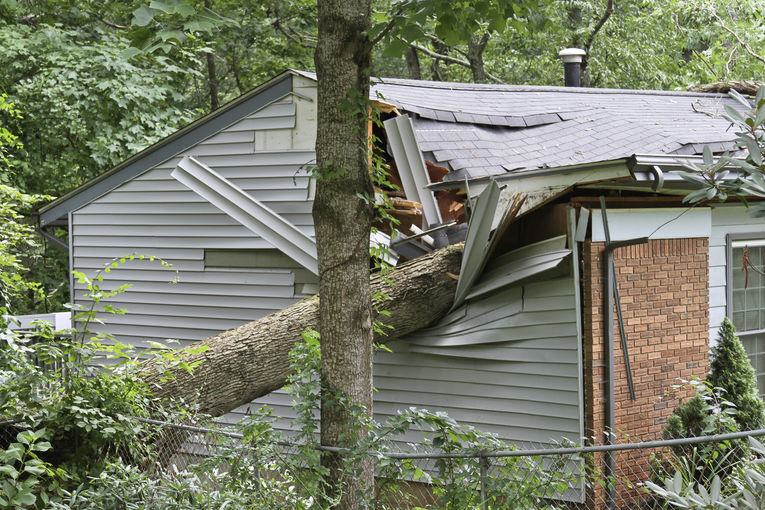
(479, 130)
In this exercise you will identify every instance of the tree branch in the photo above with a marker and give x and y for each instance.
(590, 40)
(388, 28)
(277, 24)
(748, 88)
(741, 42)
(451, 60)
(435, 39)
(113, 25)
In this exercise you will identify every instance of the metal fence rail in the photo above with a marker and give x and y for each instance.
(550, 477)
(409, 475)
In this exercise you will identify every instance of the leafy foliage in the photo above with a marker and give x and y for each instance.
(726, 402)
(731, 370)
(86, 107)
(18, 248)
(706, 413)
(742, 489)
(716, 180)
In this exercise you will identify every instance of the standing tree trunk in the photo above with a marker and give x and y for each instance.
(435, 68)
(476, 47)
(413, 64)
(343, 221)
(212, 77)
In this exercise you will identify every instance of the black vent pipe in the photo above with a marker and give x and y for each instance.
(572, 66)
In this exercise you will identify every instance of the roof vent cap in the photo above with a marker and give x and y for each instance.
(572, 66)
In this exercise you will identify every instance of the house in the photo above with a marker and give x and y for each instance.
(227, 201)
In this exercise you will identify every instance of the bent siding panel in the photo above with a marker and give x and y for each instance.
(510, 380)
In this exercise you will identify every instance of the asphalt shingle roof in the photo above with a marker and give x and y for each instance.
(479, 130)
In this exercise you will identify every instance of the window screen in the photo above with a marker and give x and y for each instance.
(748, 302)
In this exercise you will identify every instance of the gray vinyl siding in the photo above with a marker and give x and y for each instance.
(516, 374)
(726, 219)
(155, 215)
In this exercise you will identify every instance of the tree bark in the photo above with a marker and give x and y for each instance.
(252, 360)
(413, 64)
(343, 221)
(212, 77)
(476, 47)
(748, 88)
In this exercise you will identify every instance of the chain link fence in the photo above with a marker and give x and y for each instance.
(172, 457)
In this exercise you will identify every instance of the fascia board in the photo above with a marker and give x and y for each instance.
(411, 166)
(246, 210)
(566, 180)
(535, 180)
(169, 147)
(654, 223)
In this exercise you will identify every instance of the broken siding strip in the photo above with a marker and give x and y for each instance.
(189, 208)
(485, 377)
(468, 344)
(548, 357)
(519, 270)
(241, 313)
(477, 242)
(277, 109)
(199, 218)
(105, 254)
(246, 183)
(207, 289)
(411, 166)
(143, 244)
(521, 326)
(247, 277)
(248, 211)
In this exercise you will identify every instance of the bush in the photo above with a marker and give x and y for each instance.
(732, 371)
(726, 402)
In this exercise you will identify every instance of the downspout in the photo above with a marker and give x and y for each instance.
(609, 278)
(658, 178)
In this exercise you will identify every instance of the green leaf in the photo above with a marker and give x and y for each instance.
(143, 16)
(25, 498)
(42, 446)
(709, 158)
(9, 470)
(35, 470)
(395, 48)
(735, 115)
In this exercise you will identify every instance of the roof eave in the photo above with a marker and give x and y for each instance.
(590, 172)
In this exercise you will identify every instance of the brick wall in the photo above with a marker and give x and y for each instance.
(663, 287)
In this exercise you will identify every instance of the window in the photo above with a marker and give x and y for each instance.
(746, 299)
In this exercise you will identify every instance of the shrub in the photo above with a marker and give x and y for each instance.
(732, 371)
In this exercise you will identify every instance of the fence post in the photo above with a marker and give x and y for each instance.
(484, 462)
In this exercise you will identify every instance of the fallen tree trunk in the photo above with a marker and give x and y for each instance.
(748, 88)
(252, 360)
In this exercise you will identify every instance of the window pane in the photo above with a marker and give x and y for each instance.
(751, 320)
(748, 306)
